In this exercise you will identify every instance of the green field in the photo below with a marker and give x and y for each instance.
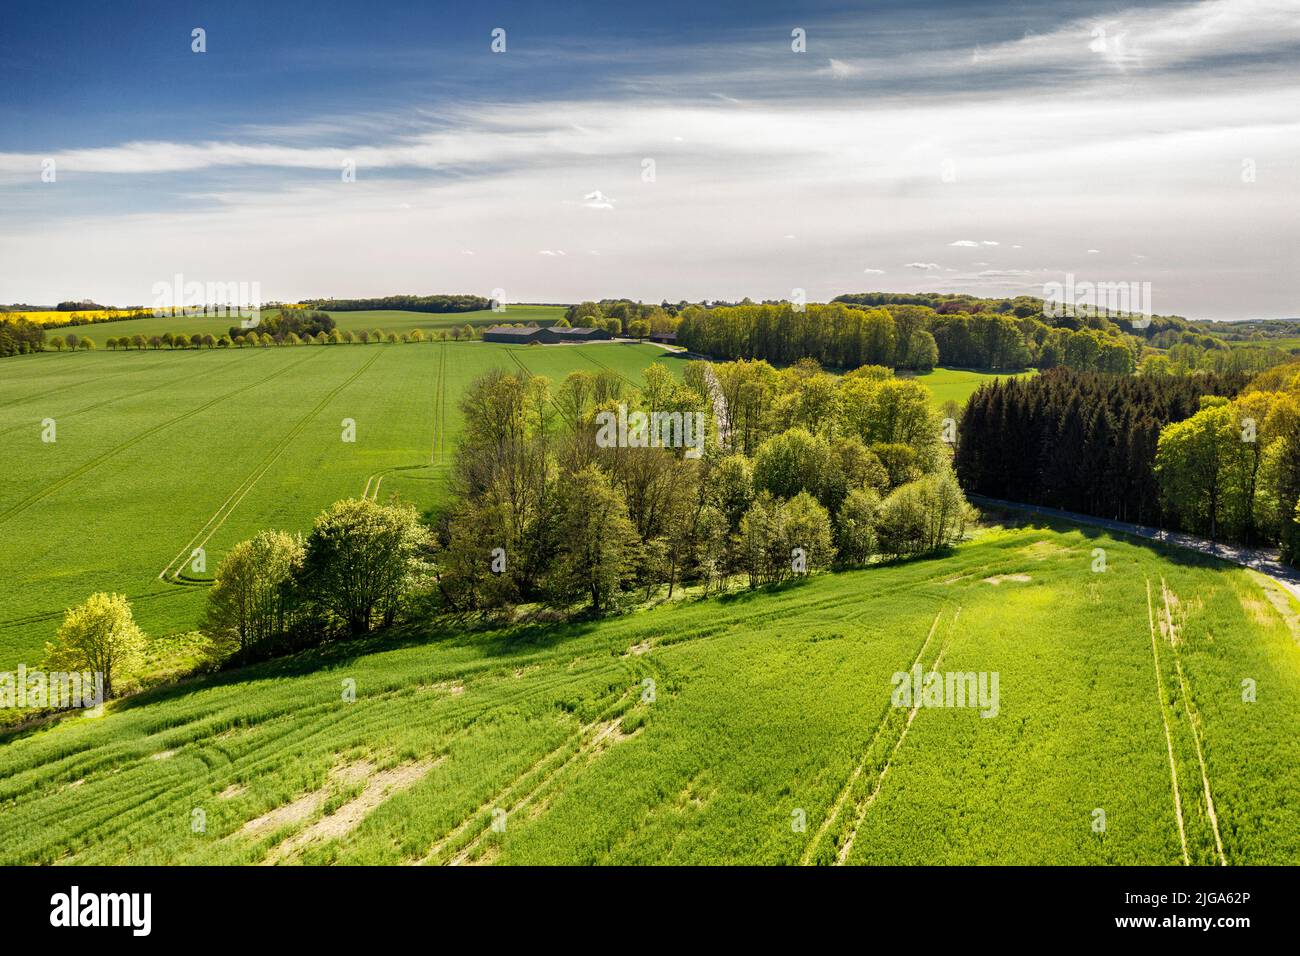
(703, 732)
(1289, 343)
(158, 453)
(387, 321)
(958, 384)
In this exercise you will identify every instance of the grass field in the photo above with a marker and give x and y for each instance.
(707, 731)
(387, 321)
(958, 384)
(1290, 343)
(159, 453)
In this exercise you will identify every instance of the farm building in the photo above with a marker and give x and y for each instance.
(579, 334)
(550, 336)
(505, 333)
(664, 338)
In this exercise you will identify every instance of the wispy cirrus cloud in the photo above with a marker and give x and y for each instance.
(1159, 38)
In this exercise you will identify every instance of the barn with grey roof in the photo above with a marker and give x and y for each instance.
(547, 336)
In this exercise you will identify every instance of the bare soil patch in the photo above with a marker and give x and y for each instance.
(379, 787)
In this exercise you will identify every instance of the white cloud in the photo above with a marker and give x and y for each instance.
(874, 272)
(1161, 37)
(841, 70)
(597, 200)
(922, 265)
(964, 242)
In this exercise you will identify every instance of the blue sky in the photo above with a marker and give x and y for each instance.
(976, 147)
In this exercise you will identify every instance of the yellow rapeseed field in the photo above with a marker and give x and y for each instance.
(66, 318)
(81, 316)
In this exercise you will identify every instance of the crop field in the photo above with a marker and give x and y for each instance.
(1290, 343)
(958, 384)
(96, 316)
(388, 321)
(158, 453)
(754, 728)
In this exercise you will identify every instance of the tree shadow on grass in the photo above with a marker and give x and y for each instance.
(491, 640)
(790, 584)
(1168, 551)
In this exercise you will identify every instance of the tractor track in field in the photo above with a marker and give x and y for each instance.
(259, 470)
(599, 364)
(371, 490)
(191, 376)
(1194, 722)
(1164, 719)
(315, 723)
(860, 767)
(870, 798)
(56, 615)
(588, 739)
(439, 442)
(440, 413)
(593, 739)
(104, 456)
(64, 388)
(531, 374)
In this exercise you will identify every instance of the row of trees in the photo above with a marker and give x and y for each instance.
(81, 305)
(1184, 357)
(948, 303)
(798, 471)
(833, 334)
(72, 342)
(256, 338)
(404, 303)
(905, 335)
(1157, 330)
(303, 323)
(624, 317)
